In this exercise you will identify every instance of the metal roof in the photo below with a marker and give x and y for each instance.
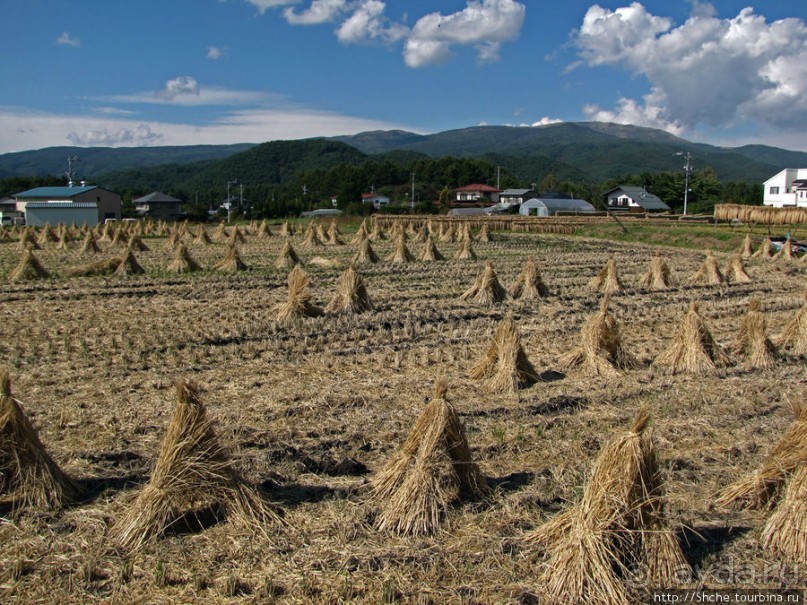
(55, 192)
(555, 204)
(55, 205)
(478, 187)
(156, 196)
(515, 192)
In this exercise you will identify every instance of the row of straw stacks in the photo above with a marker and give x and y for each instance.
(760, 215)
(601, 351)
(594, 551)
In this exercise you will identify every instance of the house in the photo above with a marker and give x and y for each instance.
(475, 194)
(550, 206)
(376, 200)
(8, 212)
(511, 197)
(633, 199)
(787, 188)
(158, 206)
(70, 199)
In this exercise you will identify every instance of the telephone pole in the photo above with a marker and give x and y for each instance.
(688, 169)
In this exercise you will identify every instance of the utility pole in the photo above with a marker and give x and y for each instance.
(688, 169)
(71, 173)
(412, 199)
(229, 199)
(498, 177)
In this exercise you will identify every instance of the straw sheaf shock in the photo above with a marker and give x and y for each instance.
(607, 280)
(752, 339)
(794, 335)
(432, 470)
(351, 295)
(505, 367)
(601, 351)
(529, 284)
(486, 289)
(28, 475)
(693, 350)
(298, 303)
(618, 525)
(761, 489)
(193, 477)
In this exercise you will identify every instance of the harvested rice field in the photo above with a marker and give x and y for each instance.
(290, 407)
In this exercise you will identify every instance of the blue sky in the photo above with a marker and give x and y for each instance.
(182, 72)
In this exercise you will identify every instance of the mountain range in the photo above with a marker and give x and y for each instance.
(581, 151)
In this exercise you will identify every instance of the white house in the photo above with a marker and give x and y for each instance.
(511, 197)
(634, 199)
(787, 188)
(376, 200)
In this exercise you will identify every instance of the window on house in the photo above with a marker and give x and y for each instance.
(774, 191)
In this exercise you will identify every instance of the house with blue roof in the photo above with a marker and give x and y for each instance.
(71, 204)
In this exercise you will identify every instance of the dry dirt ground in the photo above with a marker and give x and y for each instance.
(312, 410)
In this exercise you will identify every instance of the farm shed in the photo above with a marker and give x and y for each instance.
(551, 206)
(38, 214)
(107, 203)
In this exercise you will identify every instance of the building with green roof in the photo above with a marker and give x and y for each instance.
(70, 202)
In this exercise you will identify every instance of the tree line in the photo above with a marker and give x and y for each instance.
(287, 191)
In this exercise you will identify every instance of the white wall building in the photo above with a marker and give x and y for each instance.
(786, 189)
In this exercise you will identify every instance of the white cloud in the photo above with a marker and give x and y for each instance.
(320, 11)
(140, 135)
(486, 25)
(264, 5)
(368, 24)
(707, 71)
(183, 85)
(650, 112)
(208, 95)
(21, 130)
(113, 111)
(547, 121)
(214, 53)
(65, 39)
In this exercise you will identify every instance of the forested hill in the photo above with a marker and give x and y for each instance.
(94, 161)
(592, 151)
(600, 150)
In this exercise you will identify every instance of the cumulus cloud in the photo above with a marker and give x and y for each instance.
(547, 121)
(138, 136)
(183, 85)
(65, 39)
(367, 23)
(320, 11)
(214, 53)
(486, 25)
(706, 71)
(483, 24)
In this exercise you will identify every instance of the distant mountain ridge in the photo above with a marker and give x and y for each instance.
(601, 150)
(94, 161)
(591, 151)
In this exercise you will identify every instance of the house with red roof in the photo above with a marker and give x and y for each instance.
(475, 194)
